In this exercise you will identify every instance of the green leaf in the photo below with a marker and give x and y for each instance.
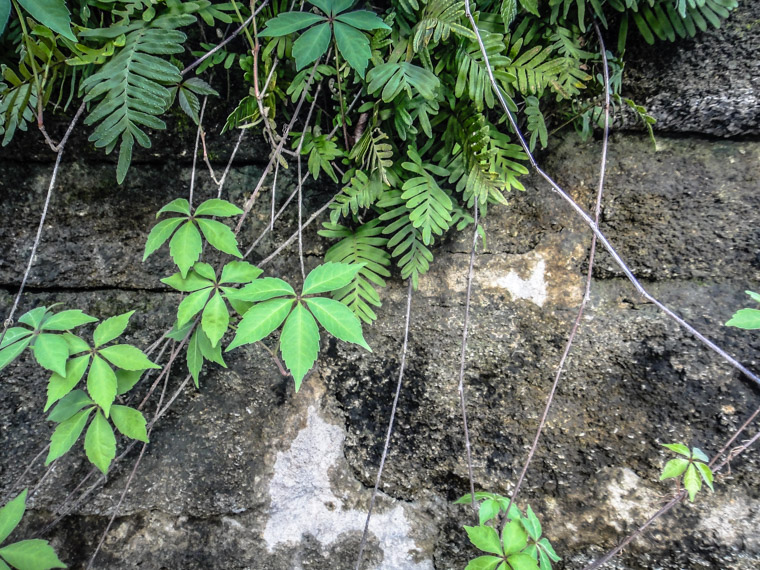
(209, 352)
(217, 207)
(219, 236)
(14, 334)
(3, 565)
(487, 511)
(549, 549)
(754, 296)
(179, 206)
(532, 524)
(11, 514)
(485, 538)
(9, 352)
(239, 272)
(191, 306)
(127, 357)
(59, 386)
(299, 342)
(329, 277)
(205, 271)
(484, 563)
(338, 320)
(699, 454)
(363, 20)
(159, 234)
(101, 384)
(215, 319)
(679, 448)
(126, 379)
(51, 352)
(260, 321)
(353, 46)
(66, 435)
(707, 474)
(263, 289)
(5, 12)
(34, 317)
(100, 443)
(69, 405)
(522, 561)
(194, 357)
(185, 247)
(111, 328)
(325, 5)
(130, 422)
(514, 537)
(66, 320)
(674, 468)
(692, 482)
(51, 13)
(76, 344)
(745, 319)
(312, 45)
(33, 554)
(193, 282)
(530, 6)
(289, 22)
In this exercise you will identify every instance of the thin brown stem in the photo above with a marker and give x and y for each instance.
(389, 431)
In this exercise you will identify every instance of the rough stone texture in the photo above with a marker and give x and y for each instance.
(709, 84)
(245, 473)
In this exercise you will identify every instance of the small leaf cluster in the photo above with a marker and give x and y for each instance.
(109, 370)
(33, 554)
(263, 303)
(692, 465)
(520, 545)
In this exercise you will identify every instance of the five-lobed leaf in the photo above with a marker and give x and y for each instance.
(100, 443)
(299, 343)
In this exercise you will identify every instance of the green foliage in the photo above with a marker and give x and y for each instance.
(34, 554)
(521, 545)
(692, 466)
(346, 28)
(744, 318)
(275, 303)
(185, 247)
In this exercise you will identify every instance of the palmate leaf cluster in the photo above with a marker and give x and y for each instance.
(31, 554)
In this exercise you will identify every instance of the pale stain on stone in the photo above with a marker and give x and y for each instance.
(304, 503)
(533, 288)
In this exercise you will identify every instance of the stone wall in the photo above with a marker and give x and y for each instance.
(245, 473)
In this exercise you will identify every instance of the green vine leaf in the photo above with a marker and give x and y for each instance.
(100, 443)
(111, 328)
(31, 554)
(485, 538)
(69, 405)
(11, 514)
(485, 563)
(186, 244)
(66, 434)
(299, 343)
(338, 320)
(130, 422)
(5, 13)
(261, 320)
(51, 13)
(329, 277)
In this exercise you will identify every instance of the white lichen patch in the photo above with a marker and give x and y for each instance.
(533, 288)
(304, 502)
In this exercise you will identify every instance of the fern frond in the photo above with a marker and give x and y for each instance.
(363, 245)
(322, 151)
(534, 71)
(132, 90)
(373, 153)
(472, 73)
(667, 21)
(437, 21)
(536, 123)
(408, 248)
(360, 193)
(429, 206)
(17, 101)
